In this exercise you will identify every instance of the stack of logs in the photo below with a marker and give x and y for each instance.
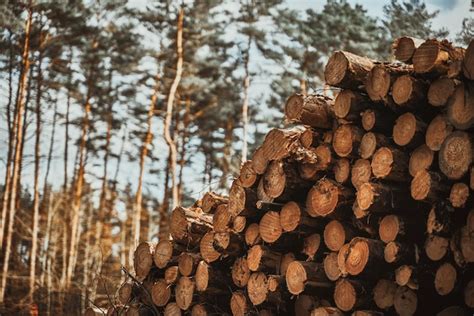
(362, 205)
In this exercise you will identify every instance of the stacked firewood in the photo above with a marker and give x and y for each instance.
(362, 205)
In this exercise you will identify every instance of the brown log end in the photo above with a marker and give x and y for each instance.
(455, 155)
(361, 172)
(404, 129)
(343, 103)
(125, 293)
(420, 159)
(341, 258)
(238, 304)
(437, 131)
(461, 107)
(440, 90)
(405, 301)
(239, 223)
(389, 228)
(259, 161)
(368, 119)
(290, 216)
(184, 292)
(311, 245)
(171, 274)
(331, 267)
(436, 247)
(160, 293)
(247, 176)
(163, 253)
(382, 162)
(404, 48)
(334, 235)
(402, 89)
(322, 199)
(427, 56)
(286, 259)
(345, 295)
(143, 259)
(206, 247)
(274, 179)
(257, 288)
(421, 185)
(252, 234)
(368, 145)
(342, 170)
(377, 83)
(404, 274)
(295, 277)
(445, 279)
(240, 272)
(270, 227)
(199, 310)
(221, 218)
(358, 256)
(186, 264)
(459, 194)
(202, 276)
(365, 196)
(384, 293)
(343, 140)
(172, 309)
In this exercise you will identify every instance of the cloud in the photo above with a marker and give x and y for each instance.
(445, 4)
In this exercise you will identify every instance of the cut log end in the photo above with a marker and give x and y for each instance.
(437, 131)
(358, 256)
(143, 259)
(290, 216)
(445, 279)
(202, 276)
(208, 253)
(163, 253)
(421, 185)
(247, 176)
(172, 309)
(295, 277)
(160, 293)
(421, 159)
(270, 227)
(384, 293)
(440, 90)
(252, 234)
(377, 83)
(382, 162)
(342, 170)
(436, 247)
(405, 301)
(389, 228)
(345, 295)
(238, 304)
(459, 194)
(331, 267)
(184, 292)
(404, 129)
(455, 155)
(240, 272)
(361, 172)
(404, 48)
(368, 145)
(257, 288)
(334, 235)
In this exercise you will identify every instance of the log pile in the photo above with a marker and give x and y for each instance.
(362, 205)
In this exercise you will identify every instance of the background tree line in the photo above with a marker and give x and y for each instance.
(113, 113)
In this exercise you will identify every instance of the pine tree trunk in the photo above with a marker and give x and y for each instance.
(227, 161)
(169, 107)
(143, 154)
(164, 225)
(11, 126)
(15, 175)
(66, 129)
(184, 141)
(245, 106)
(36, 197)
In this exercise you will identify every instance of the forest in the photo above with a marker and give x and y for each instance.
(115, 112)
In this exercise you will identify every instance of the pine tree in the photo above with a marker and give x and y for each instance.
(465, 36)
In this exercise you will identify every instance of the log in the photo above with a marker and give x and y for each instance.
(346, 140)
(445, 279)
(326, 197)
(433, 56)
(293, 216)
(440, 219)
(420, 159)
(409, 131)
(282, 182)
(405, 301)
(314, 110)
(238, 224)
(125, 293)
(164, 252)
(221, 219)
(348, 105)
(342, 169)
(187, 263)
(305, 273)
(304, 304)
(241, 199)
(349, 294)
(370, 143)
(206, 248)
(364, 255)
(377, 197)
(257, 288)
(259, 161)
(346, 70)
(393, 227)
(341, 259)
(160, 293)
(336, 234)
(404, 48)
(143, 259)
(240, 272)
(409, 92)
(381, 77)
(384, 293)
(441, 90)
(378, 120)
(187, 226)
(212, 200)
(390, 164)
(361, 172)
(172, 309)
(261, 258)
(427, 186)
(270, 227)
(460, 106)
(455, 155)
(252, 234)
(171, 274)
(331, 267)
(207, 277)
(438, 129)
(398, 253)
(459, 194)
(199, 310)
(467, 244)
(468, 62)
(247, 175)
(406, 275)
(311, 245)
(239, 304)
(436, 247)
(184, 292)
